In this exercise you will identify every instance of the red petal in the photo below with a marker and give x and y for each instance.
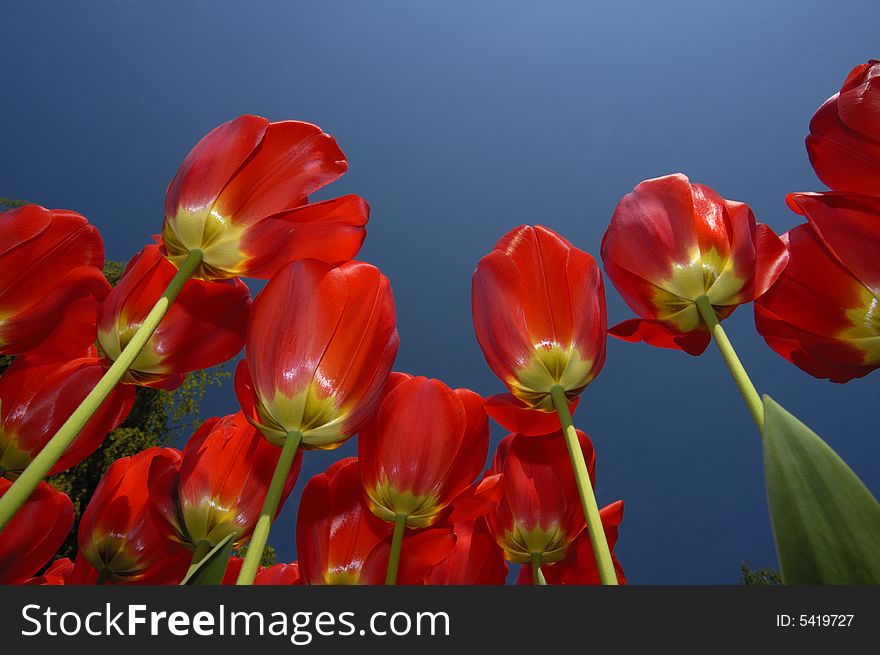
(330, 231)
(515, 416)
(656, 333)
(212, 163)
(294, 160)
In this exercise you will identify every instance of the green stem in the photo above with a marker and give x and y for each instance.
(396, 543)
(270, 507)
(40, 466)
(595, 530)
(538, 578)
(202, 549)
(734, 365)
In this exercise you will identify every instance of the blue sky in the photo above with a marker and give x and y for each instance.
(461, 120)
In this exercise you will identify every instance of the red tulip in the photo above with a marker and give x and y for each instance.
(671, 242)
(219, 485)
(58, 573)
(579, 566)
(122, 538)
(34, 534)
(475, 560)
(844, 140)
(38, 394)
(203, 327)
(539, 314)
(51, 281)
(424, 447)
(320, 345)
(341, 542)
(540, 511)
(241, 197)
(821, 314)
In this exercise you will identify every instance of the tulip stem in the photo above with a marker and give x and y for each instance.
(40, 466)
(270, 507)
(734, 365)
(396, 544)
(601, 552)
(538, 578)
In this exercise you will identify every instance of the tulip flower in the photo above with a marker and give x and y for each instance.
(34, 534)
(579, 566)
(539, 515)
(218, 486)
(422, 449)
(539, 314)
(122, 537)
(51, 281)
(821, 314)
(320, 345)
(37, 394)
(240, 198)
(672, 243)
(425, 445)
(844, 140)
(204, 327)
(475, 560)
(341, 542)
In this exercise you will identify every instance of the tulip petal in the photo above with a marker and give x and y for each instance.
(211, 164)
(331, 231)
(515, 416)
(656, 333)
(294, 160)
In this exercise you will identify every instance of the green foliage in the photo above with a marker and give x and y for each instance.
(268, 559)
(765, 576)
(9, 203)
(825, 521)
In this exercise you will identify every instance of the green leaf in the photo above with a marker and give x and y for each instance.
(825, 521)
(211, 568)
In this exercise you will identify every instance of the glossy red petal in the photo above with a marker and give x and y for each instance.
(421, 552)
(477, 500)
(331, 231)
(849, 225)
(37, 395)
(844, 139)
(656, 333)
(817, 313)
(475, 560)
(279, 574)
(51, 282)
(515, 416)
(34, 534)
(211, 164)
(293, 160)
(224, 478)
(336, 534)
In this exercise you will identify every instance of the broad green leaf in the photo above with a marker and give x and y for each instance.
(825, 521)
(211, 568)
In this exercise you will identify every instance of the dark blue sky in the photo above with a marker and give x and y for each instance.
(462, 120)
